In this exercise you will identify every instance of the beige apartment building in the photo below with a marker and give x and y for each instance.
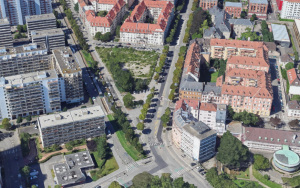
(73, 125)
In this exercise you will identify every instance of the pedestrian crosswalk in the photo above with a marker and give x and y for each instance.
(131, 166)
(178, 172)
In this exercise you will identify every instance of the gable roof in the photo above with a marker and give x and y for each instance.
(208, 107)
(286, 58)
(244, 60)
(247, 91)
(294, 104)
(293, 77)
(192, 60)
(241, 21)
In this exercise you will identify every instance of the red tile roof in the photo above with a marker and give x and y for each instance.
(236, 43)
(191, 103)
(192, 60)
(247, 91)
(249, 61)
(131, 26)
(82, 3)
(219, 81)
(208, 107)
(292, 75)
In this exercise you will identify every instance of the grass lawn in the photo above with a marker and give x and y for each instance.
(243, 174)
(37, 142)
(214, 76)
(287, 20)
(261, 178)
(242, 183)
(126, 145)
(88, 57)
(52, 173)
(1, 127)
(74, 151)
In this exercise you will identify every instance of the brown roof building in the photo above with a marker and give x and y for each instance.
(207, 4)
(271, 139)
(258, 7)
(293, 109)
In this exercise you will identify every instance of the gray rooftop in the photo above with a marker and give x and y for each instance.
(212, 32)
(69, 172)
(259, 1)
(210, 88)
(235, 127)
(22, 80)
(221, 113)
(21, 51)
(48, 32)
(70, 116)
(241, 21)
(66, 60)
(40, 17)
(220, 22)
(280, 33)
(233, 4)
(199, 129)
(86, 8)
(191, 86)
(4, 21)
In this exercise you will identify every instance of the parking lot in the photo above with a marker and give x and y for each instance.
(28, 129)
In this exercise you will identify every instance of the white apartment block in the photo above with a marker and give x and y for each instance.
(17, 10)
(70, 75)
(293, 109)
(109, 23)
(207, 114)
(135, 30)
(221, 117)
(198, 141)
(29, 94)
(290, 9)
(73, 125)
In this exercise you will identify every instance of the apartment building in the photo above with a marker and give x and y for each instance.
(69, 73)
(135, 30)
(207, 4)
(249, 63)
(239, 26)
(224, 49)
(198, 141)
(72, 125)
(207, 114)
(109, 23)
(40, 22)
(258, 7)
(211, 93)
(17, 10)
(53, 38)
(290, 9)
(271, 140)
(221, 117)
(234, 9)
(293, 109)
(24, 59)
(296, 27)
(294, 81)
(29, 94)
(6, 39)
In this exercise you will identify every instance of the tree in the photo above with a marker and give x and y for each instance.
(91, 145)
(101, 152)
(264, 25)
(243, 14)
(98, 35)
(294, 124)
(20, 119)
(118, 31)
(275, 121)
(65, 109)
(68, 146)
(253, 17)
(266, 176)
(146, 106)
(34, 186)
(128, 100)
(114, 184)
(152, 90)
(219, 181)
(142, 180)
(24, 28)
(5, 123)
(142, 117)
(168, 111)
(91, 101)
(247, 118)
(289, 66)
(261, 162)
(140, 126)
(20, 28)
(102, 13)
(28, 118)
(231, 151)
(252, 184)
(76, 7)
(55, 14)
(171, 96)
(129, 135)
(230, 111)
(25, 171)
(106, 37)
(55, 147)
(165, 118)
(165, 125)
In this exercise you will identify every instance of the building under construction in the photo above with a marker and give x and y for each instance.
(24, 59)
(64, 62)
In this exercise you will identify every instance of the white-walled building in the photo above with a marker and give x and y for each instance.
(221, 117)
(293, 109)
(198, 141)
(135, 30)
(293, 78)
(207, 114)
(290, 9)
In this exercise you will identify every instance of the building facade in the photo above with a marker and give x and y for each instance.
(29, 94)
(296, 27)
(198, 141)
(258, 7)
(109, 23)
(40, 22)
(53, 38)
(207, 114)
(17, 10)
(293, 109)
(135, 30)
(290, 9)
(293, 79)
(207, 4)
(24, 59)
(73, 125)
(234, 9)
(239, 26)
(6, 39)
(221, 118)
(70, 75)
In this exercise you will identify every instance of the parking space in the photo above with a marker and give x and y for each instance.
(29, 129)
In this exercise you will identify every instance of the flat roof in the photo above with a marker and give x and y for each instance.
(4, 21)
(32, 47)
(199, 129)
(27, 78)
(69, 172)
(40, 17)
(280, 33)
(66, 60)
(287, 156)
(259, 1)
(70, 117)
(42, 33)
(233, 4)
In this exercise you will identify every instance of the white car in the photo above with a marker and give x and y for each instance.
(108, 132)
(36, 127)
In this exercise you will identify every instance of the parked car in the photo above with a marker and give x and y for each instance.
(183, 155)
(108, 131)
(33, 177)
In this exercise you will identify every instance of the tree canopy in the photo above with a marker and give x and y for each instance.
(294, 124)
(261, 162)
(289, 66)
(219, 181)
(115, 184)
(275, 121)
(91, 145)
(249, 34)
(140, 126)
(231, 151)
(247, 118)
(128, 100)
(6, 124)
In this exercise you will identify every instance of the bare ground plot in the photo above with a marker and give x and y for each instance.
(140, 63)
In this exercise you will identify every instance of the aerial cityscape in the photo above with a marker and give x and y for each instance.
(149, 93)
